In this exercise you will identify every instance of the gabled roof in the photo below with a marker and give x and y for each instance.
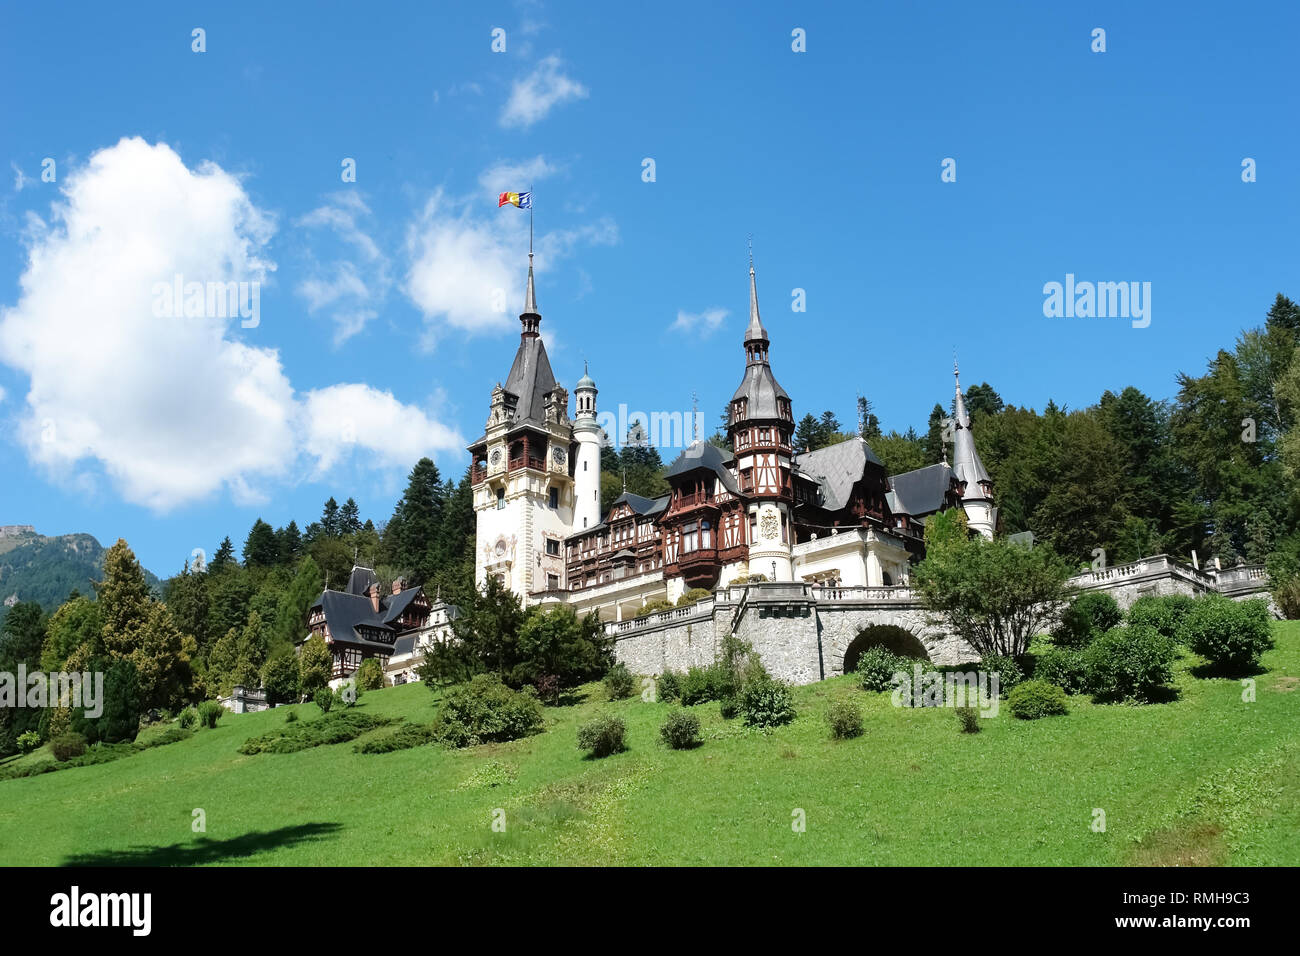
(346, 611)
(703, 455)
(920, 492)
(837, 468)
(641, 506)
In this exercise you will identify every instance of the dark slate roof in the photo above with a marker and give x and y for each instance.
(642, 506)
(360, 579)
(345, 611)
(837, 468)
(530, 379)
(921, 492)
(404, 645)
(760, 388)
(701, 454)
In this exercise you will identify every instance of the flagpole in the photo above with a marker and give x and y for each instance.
(530, 223)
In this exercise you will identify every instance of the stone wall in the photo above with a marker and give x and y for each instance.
(802, 634)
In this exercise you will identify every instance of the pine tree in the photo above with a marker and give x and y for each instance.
(289, 542)
(415, 523)
(329, 518)
(349, 517)
(261, 550)
(224, 557)
(291, 614)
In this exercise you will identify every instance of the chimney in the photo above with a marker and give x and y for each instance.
(397, 585)
(374, 597)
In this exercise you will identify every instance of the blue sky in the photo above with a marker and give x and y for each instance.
(374, 295)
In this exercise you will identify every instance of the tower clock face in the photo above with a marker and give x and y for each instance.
(496, 456)
(558, 456)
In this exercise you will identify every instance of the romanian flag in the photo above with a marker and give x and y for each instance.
(522, 200)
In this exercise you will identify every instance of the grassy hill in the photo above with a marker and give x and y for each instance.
(44, 569)
(1204, 779)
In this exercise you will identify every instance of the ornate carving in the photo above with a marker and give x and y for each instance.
(769, 526)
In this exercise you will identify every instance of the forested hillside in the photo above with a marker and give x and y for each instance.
(45, 570)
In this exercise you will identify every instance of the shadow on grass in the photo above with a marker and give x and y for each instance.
(1225, 671)
(205, 850)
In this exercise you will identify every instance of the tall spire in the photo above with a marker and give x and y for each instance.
(959, 403)
(756, 342)
(530, 294)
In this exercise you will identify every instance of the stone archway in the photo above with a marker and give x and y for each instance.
(891, 636)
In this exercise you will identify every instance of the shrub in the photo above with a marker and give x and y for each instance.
(969, 720)
(1287, 596)
(486, 710)
(324, 699)
(619, 682)
(1163, 613)
(694, 596)
(729, 707)
(681, 730)
(602, 736)
(766, 703)
(1231, 635)
(1033, 699)
(699, 685)
(1064, 667)
(654, 607)
(370, 675)
(549, 687)
(66, 746)
(28, 741)
(403, 738)
(188, 718)
(669, 686)
(1129, 663)
(209, 713)
(844, 718)
(1087, 618)
(876, 668)
(290, 717)
(335, 728)
(1008, 670)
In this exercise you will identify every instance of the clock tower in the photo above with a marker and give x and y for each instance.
(522, 471)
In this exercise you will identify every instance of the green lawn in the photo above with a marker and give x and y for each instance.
(1205, 779)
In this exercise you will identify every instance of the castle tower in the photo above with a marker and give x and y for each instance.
(521, 473)
(761, 428)
(586, 467)
(977, 486)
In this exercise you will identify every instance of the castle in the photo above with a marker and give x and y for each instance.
(763, 511)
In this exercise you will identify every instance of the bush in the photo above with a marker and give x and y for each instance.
(336, 728)
(602, 736)
(729, 707)
(969, 720)
(766, 703)
(654, 607)
(549, 688)
(1009, 671)
(486, 710)
(66, 746)
(291, 717)
(844, 718)
(324, 699)
(619, 682)
(1033, 699)
(1129, 663)
(403, 738)
(877, 666)
(1287, 596)
(669, 686)
(681, 730)
(370, 675)
(1231, 635)
(188, 718)
(209, 713)
(1163, 613)
(1064, 667)
(28, 741)
(1087, 618)
(694, 596)
(702, 684)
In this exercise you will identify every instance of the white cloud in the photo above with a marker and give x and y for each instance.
(20, 178)
(505, 176)
(347, 288)
(532, 97)
(469, 262)
(172, 410)
(703, 323)
(390, 434)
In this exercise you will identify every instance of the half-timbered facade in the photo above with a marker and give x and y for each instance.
(759, 510)
(363, 622)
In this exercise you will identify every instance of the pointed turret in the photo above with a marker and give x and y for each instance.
(967, 468)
